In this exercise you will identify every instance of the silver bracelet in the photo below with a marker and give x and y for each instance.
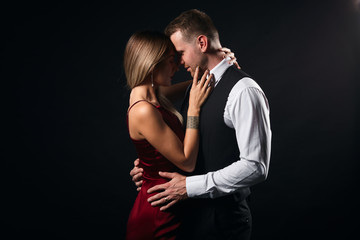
(192, 122)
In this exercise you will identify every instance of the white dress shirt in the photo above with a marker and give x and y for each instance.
(247, 111)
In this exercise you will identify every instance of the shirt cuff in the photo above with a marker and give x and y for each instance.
(195, 186)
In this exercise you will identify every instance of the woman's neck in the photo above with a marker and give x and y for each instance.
(143, 92)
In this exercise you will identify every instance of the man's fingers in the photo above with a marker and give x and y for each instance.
(157, 203)
(137, 177)
(135, 171)
(136, 162)
(157, 188)
(167, 206)
(167, 174)
(138, 189)
(139, 183)
(165, 202)
(157, 198)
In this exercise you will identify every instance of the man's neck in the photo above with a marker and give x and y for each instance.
(214, 59)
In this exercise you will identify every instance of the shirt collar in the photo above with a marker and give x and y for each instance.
(219, 69)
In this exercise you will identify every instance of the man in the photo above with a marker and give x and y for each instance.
(235, 140)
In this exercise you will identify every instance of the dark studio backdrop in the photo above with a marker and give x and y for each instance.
(70, 150)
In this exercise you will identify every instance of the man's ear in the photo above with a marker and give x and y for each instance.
(202, 42)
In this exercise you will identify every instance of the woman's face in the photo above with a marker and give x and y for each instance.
(165, 71)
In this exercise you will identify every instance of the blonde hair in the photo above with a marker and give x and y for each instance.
(143, 52)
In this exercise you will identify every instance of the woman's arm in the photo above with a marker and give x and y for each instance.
(176, 91)
(150, 124)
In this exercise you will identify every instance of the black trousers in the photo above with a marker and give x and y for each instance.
(212, 219)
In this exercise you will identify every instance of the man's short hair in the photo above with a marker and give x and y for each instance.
(191, 24)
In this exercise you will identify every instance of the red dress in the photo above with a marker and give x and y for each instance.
(145, 221)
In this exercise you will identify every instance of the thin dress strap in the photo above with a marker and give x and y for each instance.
(127, 114)
(141, 101)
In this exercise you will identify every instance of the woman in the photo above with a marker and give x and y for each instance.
(156, 130)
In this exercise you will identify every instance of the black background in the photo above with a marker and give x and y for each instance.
(70, 151)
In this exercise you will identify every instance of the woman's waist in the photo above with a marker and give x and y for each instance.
(149, 183)
(153, 176)
(152, 168)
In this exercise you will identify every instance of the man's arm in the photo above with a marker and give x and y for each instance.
(247, 112)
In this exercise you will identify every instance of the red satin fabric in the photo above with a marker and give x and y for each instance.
(145, 221)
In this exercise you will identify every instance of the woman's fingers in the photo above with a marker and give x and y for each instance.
(196, 76)
(225, 50)
(230, 55)
(204, 85)
(201, 89)
(208, 82)
(203, 78)
(236, 64)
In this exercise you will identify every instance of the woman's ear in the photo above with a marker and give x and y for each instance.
(202, 42)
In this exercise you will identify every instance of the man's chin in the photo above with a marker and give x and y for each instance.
(189, 69)
(191, 73)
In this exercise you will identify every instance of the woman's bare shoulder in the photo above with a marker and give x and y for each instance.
(142, 111)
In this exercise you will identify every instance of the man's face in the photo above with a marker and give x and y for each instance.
(190, 54)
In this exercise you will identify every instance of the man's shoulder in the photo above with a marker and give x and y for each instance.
(236, 73)
(243, 84)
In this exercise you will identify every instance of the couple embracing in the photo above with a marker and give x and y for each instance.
(194, 168)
